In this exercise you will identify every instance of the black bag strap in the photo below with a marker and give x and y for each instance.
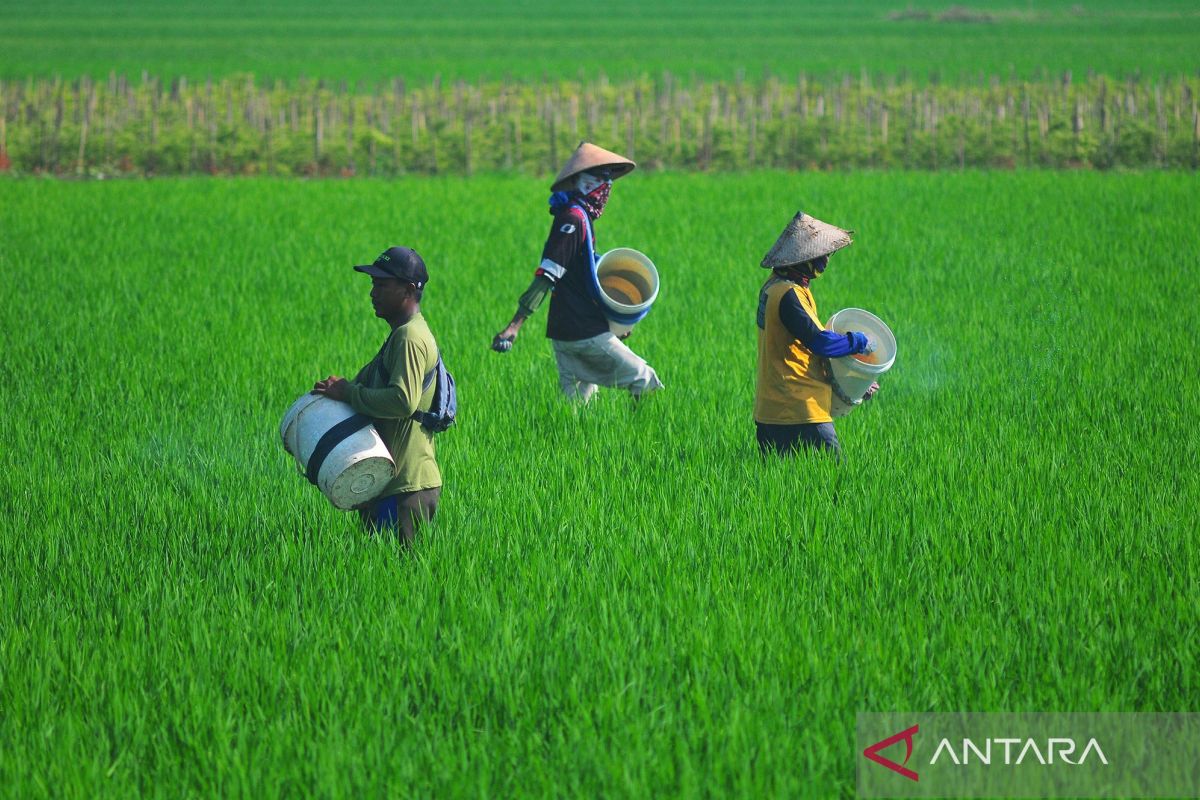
(429, 377)
(331, 439)
(427, 418)
(384, 372)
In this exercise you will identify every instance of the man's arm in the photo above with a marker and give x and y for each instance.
(565, 239)
(828, 344)
(533, 297)
(401, 397)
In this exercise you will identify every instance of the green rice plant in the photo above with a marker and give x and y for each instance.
(472, 39)
(613, 600)
(369, 40)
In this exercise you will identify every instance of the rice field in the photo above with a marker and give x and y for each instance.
(613, 600)
(371, 40)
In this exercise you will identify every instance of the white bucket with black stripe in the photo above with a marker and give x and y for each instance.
(338, 450)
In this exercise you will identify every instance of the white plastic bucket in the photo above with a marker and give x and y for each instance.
(628, 287)
(852, 376)
(358, 466)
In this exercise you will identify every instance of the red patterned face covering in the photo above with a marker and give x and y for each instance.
(593, 194)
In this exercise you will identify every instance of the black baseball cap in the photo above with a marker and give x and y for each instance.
(401, 263)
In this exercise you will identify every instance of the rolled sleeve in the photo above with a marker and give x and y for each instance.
(551, 270)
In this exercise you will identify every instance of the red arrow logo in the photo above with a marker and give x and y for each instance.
(872, 752)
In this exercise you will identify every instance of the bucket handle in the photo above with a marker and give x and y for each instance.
(838, 389)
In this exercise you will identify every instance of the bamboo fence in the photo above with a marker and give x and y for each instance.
(236, 125)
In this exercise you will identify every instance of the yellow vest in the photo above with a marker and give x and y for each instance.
(792, 387)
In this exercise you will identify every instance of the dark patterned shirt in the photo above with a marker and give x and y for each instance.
(574, 312)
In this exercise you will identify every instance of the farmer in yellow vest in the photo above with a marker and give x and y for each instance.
(793, 395)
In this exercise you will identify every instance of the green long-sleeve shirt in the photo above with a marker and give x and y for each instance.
(389, 389)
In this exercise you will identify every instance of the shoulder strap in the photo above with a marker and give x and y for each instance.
(589, 238)
(383, 370)
(589, 235)
(431, 375)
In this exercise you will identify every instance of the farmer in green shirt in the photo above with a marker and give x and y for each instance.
(394, 386)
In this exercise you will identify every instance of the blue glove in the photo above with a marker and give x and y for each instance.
(859, 343)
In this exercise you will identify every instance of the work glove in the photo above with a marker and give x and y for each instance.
(502, 344)
(860, 343)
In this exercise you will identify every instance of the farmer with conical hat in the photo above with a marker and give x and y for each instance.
(588, 354)
(793, 396)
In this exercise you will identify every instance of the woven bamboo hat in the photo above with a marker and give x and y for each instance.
(589, 156)
(804, 239)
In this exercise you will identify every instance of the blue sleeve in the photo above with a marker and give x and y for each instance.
(821, 342)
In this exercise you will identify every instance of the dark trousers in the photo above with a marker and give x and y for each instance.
(787, 440)
(402, 514)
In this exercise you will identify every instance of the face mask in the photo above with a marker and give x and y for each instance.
(595, 192)
(803, 273)
(587, 183)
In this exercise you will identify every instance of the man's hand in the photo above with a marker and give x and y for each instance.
(860, 343)
(502, 342)
(874, 387)
(333, 387)
(626, 335)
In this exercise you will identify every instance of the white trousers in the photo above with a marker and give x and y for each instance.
(602, 360)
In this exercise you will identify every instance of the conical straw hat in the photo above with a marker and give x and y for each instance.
(804, 239)
(587, 156)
